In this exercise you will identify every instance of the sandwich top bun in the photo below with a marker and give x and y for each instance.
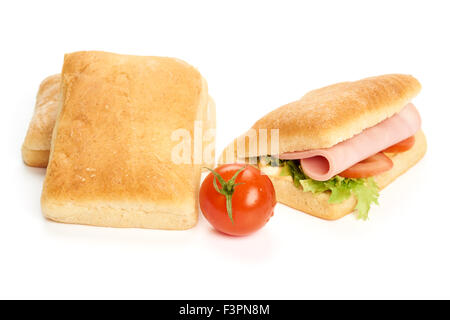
(329, 115)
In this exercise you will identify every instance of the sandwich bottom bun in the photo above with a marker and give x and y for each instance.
(317, 204)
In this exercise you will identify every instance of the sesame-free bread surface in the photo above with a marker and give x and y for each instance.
(110, 161)
(36, 146)
(329, 115)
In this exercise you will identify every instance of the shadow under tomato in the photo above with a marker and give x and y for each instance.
(255, 247)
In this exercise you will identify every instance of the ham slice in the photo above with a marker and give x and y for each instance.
(323, 164)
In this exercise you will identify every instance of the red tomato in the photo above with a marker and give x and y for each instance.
(402, 146)
(369, 167)
(252, 201)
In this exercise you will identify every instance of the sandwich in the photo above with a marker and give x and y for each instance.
(111, 161)
(333, 150)
(36, 146)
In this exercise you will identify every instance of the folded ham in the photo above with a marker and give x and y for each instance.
(323, 164)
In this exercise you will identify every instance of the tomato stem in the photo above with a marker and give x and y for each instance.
(228, 188)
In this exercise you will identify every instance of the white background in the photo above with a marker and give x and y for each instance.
(255, 56)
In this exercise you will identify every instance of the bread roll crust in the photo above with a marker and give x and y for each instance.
(110, 159)
(35, 158)
(36, 146)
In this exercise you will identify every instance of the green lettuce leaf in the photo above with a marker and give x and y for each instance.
(367, 193)
(365, 190)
